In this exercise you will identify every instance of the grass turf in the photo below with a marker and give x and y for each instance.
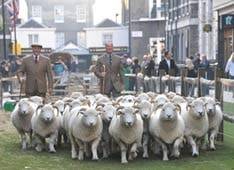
(12, 158)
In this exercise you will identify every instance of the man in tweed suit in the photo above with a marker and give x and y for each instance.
(108, 70)
(37, 69)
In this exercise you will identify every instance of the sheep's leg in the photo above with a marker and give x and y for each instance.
(94, 148)
(176, 147)
(104, 149)
(59, 140)
(73, 147)
(194, 146)
(123, 149)
(164, 148)
(30, 139)
(133, 152)
(87, 150)
(145, 146)
(212, 139)
(52, 140)
(40, 141)
(23, 140)
(81, 149)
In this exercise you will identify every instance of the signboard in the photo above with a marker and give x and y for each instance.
(137, 34)
(1, 23)
(101, 50)
(227, 21)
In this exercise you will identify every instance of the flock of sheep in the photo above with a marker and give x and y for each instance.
(97, 125)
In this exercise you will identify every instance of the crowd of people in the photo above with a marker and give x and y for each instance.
(111, 69)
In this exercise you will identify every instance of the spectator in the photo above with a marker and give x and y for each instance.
(127, 69)
(229, 69)
(6, 72)
(196, 63)
(136, 68)
(59, 67)
(204, 64)
(190, 73)
(150, 67)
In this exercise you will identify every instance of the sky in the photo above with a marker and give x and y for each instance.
(107, 9)
(102, 9)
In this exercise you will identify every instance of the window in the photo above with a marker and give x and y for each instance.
(60, 39)
(106, 38)
(33, 39)
(81, 14)
(36, 11)
(81, 39)
(59, 14)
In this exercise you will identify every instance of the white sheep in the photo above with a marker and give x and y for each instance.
(145, 110)
(127, 100)
(85, 127)
(127, 128)
(215, 117)
(37, 99)
(196, 124)
(107, 112)
(45, 124)
(159, 100)
(21, 119)
(76, 95)
(166, 126)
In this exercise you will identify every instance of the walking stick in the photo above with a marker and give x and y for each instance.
(103, 82)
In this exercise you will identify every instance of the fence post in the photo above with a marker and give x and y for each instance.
(1, 93)
(183, 84)
(219, 97)
(161, 85)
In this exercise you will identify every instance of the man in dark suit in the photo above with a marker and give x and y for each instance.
(38, 70)
(170, 67)
(168, 64)
(108, 70)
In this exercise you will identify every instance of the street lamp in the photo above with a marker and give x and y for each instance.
(116, 17)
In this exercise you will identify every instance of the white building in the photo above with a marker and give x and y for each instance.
(33, 32)
(207, 29)
(107, 31)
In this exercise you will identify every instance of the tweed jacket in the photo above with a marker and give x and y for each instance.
(37, 74)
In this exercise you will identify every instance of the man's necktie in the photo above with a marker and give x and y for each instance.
(110, 60)
(36, 59)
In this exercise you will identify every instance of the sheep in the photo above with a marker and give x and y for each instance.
(76, 95)
(126, 128)
(143, 96)
(36, 99)
(60, 104)
(196, 124)
(21, 119)
(145, 110)
(166, 126)
(107, 112)
(85, 127)
(159, 100)
(45, 124)
(127, 100)
(215, 117)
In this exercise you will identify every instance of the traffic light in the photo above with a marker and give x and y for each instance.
(17, 50)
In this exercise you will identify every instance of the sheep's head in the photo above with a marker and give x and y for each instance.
(90, 116)
(160, 100)
(107, 112)
(127, 115)
(169, 112)
(47, 113)
(24, 107)
(127, 100)
(178, 99)
(37, 100)
(60, 105)
(143, 96)
(197, 108)
(210, 106)
(145, 109)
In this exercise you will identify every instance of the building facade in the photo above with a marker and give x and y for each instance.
(182, 28)
(33, 32)
(107, 31)
(147, 26)
(225, 14)
(68, 17)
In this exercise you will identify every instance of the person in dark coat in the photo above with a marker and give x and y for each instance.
(169, 66)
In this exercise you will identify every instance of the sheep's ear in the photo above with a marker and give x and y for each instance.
(38, 108)
(81, 111)
(119, 110)
(218, 103)
(178, 108)
(56, 108)
(99, 107)
(189, 105)
(136, 111)
(159, 106)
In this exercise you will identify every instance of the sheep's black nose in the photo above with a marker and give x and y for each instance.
(200, 113)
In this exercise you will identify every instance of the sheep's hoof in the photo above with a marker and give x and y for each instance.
(124, 162)
(145, 156)
(165, 159)
(52, 151)
(38, 148)
(81, 158)
(95, 159)
(195, 154)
